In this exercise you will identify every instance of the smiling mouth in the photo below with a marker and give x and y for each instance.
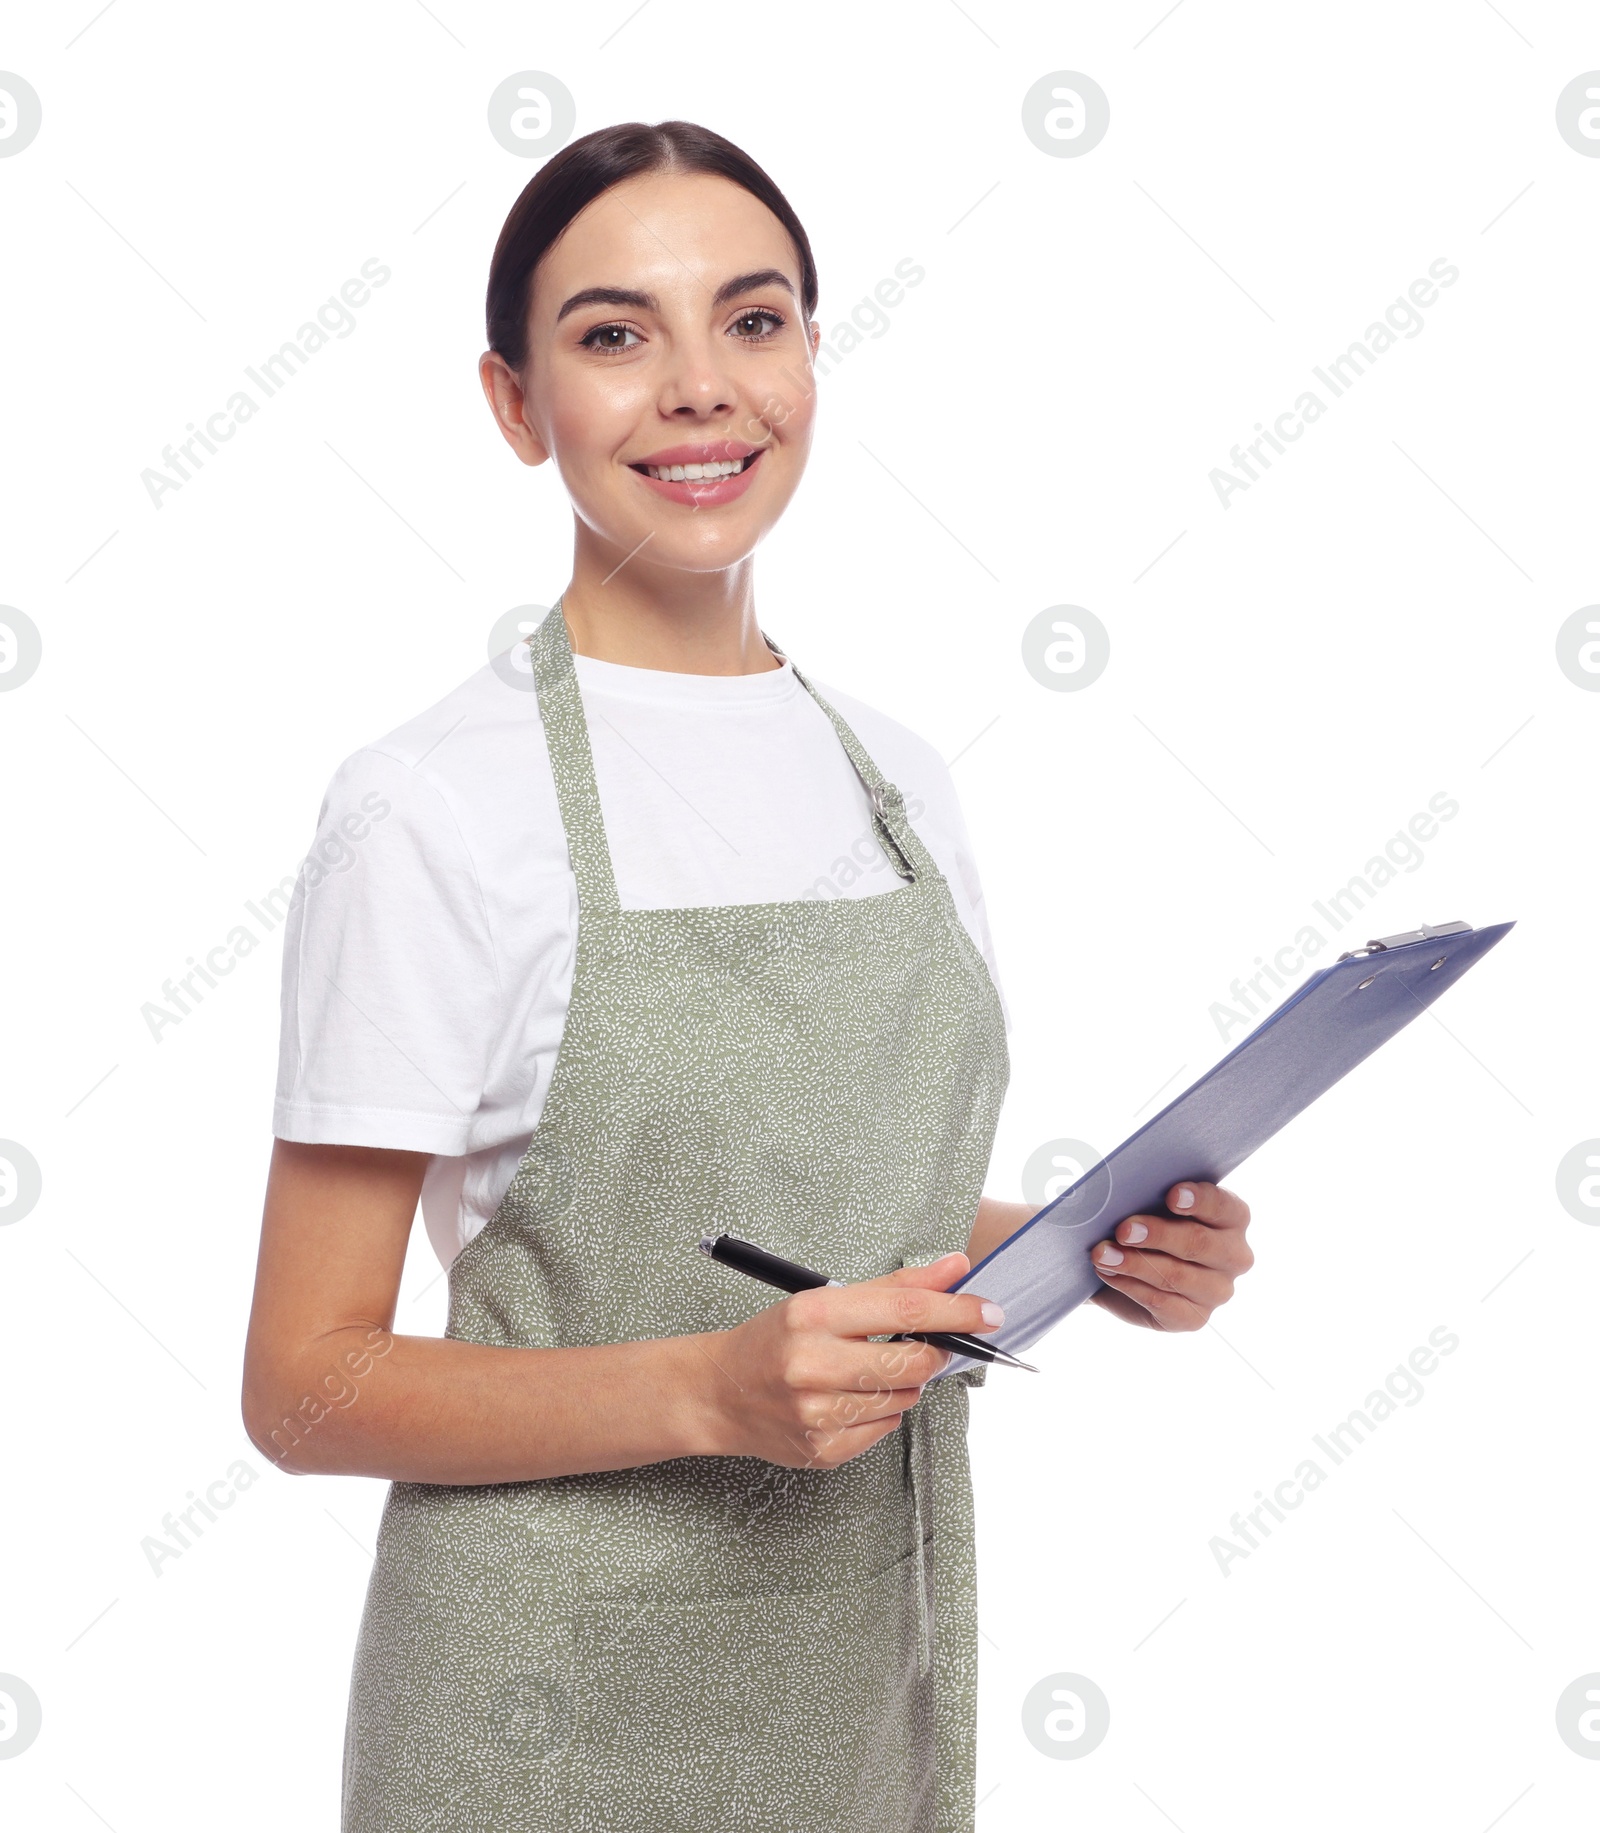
(691, 474)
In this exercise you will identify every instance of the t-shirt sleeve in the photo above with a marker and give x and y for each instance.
(390, 982)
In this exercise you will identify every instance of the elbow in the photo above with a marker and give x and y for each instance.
(287, 1424)
(282, 1435)
(303, 1422)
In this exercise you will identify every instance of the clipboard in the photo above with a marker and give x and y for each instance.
(1341, 1014)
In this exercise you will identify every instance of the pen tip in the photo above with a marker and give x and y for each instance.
(707, 1243)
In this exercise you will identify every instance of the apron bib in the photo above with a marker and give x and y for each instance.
(706, 1644)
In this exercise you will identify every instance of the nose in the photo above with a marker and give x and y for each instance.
(697, 385)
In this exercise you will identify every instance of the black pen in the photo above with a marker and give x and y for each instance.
(774, 1270)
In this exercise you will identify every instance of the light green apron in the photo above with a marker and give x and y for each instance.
(713, 1644)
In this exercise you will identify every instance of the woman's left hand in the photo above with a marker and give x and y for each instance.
(1171, 1275)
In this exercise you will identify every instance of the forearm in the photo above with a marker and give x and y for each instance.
(363, 1402)
(995, 1222)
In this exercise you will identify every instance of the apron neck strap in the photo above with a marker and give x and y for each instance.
(890, 822)
(566, 733)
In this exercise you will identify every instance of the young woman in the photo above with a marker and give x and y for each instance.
(576, 966)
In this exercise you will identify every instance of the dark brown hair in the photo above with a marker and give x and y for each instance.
(578, 174)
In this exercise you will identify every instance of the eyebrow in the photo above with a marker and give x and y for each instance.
(647, 302)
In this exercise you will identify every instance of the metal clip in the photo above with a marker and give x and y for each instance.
(1429, 932)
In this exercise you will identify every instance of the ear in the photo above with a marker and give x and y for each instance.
(816, 338)
(502, 389)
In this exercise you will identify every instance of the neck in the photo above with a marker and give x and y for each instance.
(644, 616)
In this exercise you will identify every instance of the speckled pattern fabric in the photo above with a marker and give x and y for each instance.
(716, 1644)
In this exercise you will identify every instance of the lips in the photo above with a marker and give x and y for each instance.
(703, 475)
(703, 452)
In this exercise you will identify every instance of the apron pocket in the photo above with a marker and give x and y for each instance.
(786, 1713)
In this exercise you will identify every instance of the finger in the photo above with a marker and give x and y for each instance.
(1165, 1309)
(838, 1426)
(824, 1363)
(1223, 1248)
(1208, 1286)
(1120, 1305)
(843, 1411)
(878, 1368)
(1208, 1203)
(938, 1276)
(891, 1306)
(829, 1448)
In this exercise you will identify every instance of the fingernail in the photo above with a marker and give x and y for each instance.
(1110, 1256)
(992, 1313)
(1183, 1198)
(1137, 1232)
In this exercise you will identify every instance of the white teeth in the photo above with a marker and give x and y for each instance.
(725, 467)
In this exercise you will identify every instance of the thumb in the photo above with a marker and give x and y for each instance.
(937, 1276)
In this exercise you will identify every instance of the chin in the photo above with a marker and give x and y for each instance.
(691, 540)
(695, 552)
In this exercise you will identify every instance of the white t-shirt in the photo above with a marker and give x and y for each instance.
(428, 951)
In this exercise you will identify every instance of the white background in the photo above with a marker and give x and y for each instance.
(1373, 622)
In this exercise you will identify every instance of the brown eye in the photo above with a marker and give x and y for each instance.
(611, 337)
(756, 324)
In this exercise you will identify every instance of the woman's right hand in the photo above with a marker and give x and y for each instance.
(800, 1384)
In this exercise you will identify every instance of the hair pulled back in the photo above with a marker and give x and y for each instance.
(571, 181)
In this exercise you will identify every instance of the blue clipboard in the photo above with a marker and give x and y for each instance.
(1324, 1028)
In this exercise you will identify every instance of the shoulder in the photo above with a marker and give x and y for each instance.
(455, 763)
(455, 809)
(441, 745)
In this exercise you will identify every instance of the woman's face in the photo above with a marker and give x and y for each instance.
(669, 370)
